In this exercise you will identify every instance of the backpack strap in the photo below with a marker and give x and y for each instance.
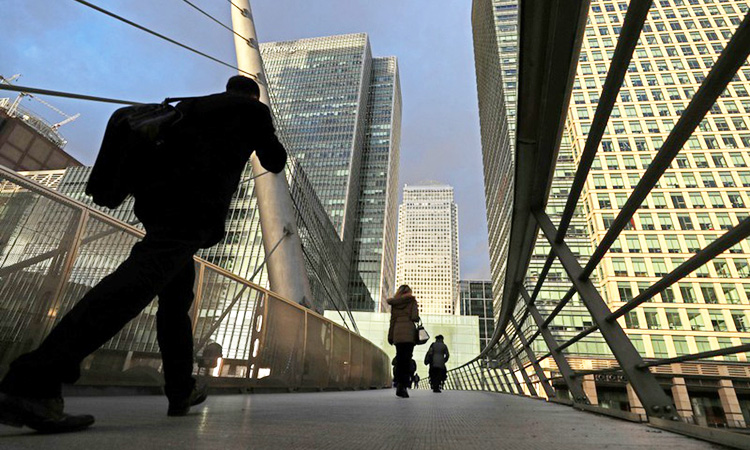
(176, 99)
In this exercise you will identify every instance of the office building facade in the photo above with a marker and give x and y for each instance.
(374, 248)
(496, 138)
(427, 250)
(705, 192)
(476, 300)
(339, 110)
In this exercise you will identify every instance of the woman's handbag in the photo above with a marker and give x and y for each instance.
(422, 335)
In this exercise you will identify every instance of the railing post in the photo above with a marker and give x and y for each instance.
(61, 265)
(497, 375)
(521, 369)
(532, 357)
(489, 374)
(476, 378)
(656, 402)
(507, 382)
(515, 378)
(574, 383)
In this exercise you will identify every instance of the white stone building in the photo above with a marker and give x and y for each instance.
(427, 249)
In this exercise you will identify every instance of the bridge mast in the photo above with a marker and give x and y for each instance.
(286, 265)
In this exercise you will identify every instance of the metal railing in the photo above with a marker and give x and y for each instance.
(53, 249)
(550, 41)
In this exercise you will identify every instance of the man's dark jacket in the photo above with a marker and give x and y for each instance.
(189, 182)
(437, 355)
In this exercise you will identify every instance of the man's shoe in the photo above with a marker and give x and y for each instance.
(43, 415)
(402, 392)
(437, 390)
(181, 407)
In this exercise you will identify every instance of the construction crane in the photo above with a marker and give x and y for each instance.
(14, 106)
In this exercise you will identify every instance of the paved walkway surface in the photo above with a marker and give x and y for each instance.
(347, 420)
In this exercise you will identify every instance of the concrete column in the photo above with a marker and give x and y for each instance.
(682, 399)
(589, 388)
(635, 403)
(731, 405)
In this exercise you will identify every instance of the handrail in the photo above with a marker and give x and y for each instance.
(378, 373)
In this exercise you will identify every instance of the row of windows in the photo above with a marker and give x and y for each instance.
(736, 268)
(688, 319)
(658, 200)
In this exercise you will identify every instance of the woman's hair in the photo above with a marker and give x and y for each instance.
(403, 289)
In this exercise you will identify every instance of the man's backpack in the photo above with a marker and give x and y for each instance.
(131, 134)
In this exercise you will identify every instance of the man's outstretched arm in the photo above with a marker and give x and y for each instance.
(271, 153)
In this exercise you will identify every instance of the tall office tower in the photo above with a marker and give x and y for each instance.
(497, 147)
(505, 15)
(705, 191)
(495, 26)
(339, 110)
(427, 251)
(373, 269)
(476, 300)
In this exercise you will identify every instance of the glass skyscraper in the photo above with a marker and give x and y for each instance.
(496, 136)
(495, 25)
(374, 250)
(476, 300)
(339, 109)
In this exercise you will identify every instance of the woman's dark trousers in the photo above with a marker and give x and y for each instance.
(437, 376)
(161, 264)
(404, 352)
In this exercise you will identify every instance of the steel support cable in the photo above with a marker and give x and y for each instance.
(214, 19)
(717, 247)
(161, 36)
(729, 62)
(631, 30)
(244, 11)
(17, 88)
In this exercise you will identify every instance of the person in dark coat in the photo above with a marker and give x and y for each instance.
(436, 357)
(183, 206)
(402, 334)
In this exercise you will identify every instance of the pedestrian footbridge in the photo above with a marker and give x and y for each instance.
(374, 419)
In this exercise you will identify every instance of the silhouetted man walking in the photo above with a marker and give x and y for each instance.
(182, 204)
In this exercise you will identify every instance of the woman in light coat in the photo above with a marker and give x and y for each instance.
(402, 334)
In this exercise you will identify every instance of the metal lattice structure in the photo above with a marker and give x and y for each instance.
(551, 36)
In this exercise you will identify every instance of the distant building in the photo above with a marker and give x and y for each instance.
(427, 250)
(476, 300)
(28, 142)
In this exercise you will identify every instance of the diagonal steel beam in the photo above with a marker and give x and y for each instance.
(632, 25)
(524, 375)
(652, 396)
(574, 383)
(714, 249)
(731, 59)
(532, 357)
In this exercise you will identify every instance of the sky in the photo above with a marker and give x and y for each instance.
(63, 45)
